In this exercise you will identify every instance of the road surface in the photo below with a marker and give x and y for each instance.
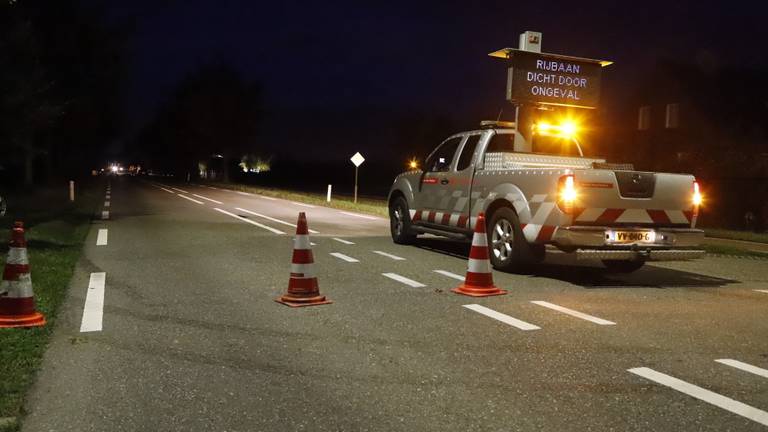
(170, 325)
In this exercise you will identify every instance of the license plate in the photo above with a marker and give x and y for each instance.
(629, 237)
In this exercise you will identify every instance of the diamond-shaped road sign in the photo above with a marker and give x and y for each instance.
(357, 159)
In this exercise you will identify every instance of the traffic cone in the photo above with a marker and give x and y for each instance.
(479, 279)
(302, 286)
(17, 301)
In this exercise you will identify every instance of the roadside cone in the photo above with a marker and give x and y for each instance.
(479, 279)
(302, 286)
(17, 301)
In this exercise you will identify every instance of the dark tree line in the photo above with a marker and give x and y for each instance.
(59, 89)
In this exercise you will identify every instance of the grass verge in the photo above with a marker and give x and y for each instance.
(737, 235)
(372, 206)
(55, 232)
(733, 251)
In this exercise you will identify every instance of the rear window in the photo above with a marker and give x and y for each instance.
(501, 143)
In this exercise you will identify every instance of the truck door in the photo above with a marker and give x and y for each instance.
(448, 201)
(435, 181)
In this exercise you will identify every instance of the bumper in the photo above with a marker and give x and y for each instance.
(590, 243)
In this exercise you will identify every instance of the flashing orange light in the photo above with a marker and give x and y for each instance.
(566, 129)
(697, 198)
(413, 164)
(567, 193)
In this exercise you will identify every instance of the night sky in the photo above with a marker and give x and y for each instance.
(414, 56)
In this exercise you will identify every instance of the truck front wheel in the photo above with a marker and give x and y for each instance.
(508, 248)
(400, 222)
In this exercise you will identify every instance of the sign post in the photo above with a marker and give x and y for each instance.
(358, 160)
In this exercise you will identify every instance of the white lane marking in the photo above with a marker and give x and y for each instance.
(405, 280)
(311, 231)
(360, 216)
(705, 395)
(105, 215)
(208, 199)
(744, 366)
(762, 291)
(450, 275)
(302, 204)
(506, 319)
(107, 203)
(244, 193)
(101, 238)
(167, 190)
(346, 242)
(188, 198)
(180, 190)
(341, 256)
(574, 313)
(267, 198)
(394, 257)
(108, 197)
(312, 244)
(276, 231)
(93, 312)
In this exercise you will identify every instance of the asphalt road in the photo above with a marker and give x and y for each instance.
(190, 338)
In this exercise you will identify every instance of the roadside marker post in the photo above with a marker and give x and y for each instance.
(328, 198)
(358, 160)
(71, 191)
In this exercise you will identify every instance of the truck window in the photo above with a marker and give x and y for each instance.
(501, 143)
(441, 159)
(467, 152)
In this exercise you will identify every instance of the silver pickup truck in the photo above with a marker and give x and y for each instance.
(545, 192)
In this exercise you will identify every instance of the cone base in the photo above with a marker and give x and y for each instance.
(32, 320)
(475, 291)
(292, 301)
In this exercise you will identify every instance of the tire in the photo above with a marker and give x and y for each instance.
(400, 222)
(623, 266)
(507, 247)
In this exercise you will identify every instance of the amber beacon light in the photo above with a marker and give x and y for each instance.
(567, 194)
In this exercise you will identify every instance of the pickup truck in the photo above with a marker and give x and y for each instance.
(546, 193)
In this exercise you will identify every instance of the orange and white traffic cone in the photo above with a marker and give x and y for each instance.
(17, 301)
(479, 280)
(302, 286)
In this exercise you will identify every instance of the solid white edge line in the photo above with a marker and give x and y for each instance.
(450, 275)
(703, 394)
(93, 311)
(207, 199)
(105, 214)
(101, 238)
(276, 231)
(403, 280)
(506, 319)
(360, 216)
(302, 204)
(311, 231)
(243, 193)
(388, 255)
(267, 198)
(346, 242)
(167, 190)
(574, 313)
(346, 258)
(762, 291)
(180, 190)
(746, 367)
(188, 198)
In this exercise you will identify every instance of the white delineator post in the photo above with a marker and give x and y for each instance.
(328, 198)
(71, 191)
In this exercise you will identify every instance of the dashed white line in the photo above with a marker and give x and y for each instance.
(311, 231)
(188, 198)
(346, 242)
(267, 198)
(107, 203)
(450, 275)
(302, 204)
(207, 199)
(93, 312)
(762, 291)
(108, 197)
(276, 231)
(574, 313)
(394, 257)
(506, 319)
(243, 193)
(360, 216)
(180, 190)
(341, 256)
(705, 395)
(105, 214)
(167, 190)
(744, 366)
(404, 280)
(101, 238)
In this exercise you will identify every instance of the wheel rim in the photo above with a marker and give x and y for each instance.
(397, 220)
(502, 239)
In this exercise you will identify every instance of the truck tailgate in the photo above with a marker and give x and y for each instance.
(633, 198)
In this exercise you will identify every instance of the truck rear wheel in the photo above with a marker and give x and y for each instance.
(400, 222)
(623, 266)
(508, 248)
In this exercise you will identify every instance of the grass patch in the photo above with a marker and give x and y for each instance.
(372, 206)
(55, 232)
(733, 251)
(736, 235)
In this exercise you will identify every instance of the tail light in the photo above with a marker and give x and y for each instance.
(697, 198)
(566, 193)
